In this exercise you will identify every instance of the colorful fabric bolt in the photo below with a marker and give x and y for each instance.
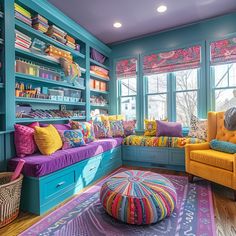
(138, 197)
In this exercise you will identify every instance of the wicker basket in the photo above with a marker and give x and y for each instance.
(10, 193)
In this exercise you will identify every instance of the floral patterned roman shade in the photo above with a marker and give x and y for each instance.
(126, 68)
(180, 59)
(223, 51)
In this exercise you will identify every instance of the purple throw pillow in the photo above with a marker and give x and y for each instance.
(169, 129)
(57, 126)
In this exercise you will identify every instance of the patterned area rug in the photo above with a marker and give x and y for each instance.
(85, 216)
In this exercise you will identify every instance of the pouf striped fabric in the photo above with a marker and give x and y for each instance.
(138, 197)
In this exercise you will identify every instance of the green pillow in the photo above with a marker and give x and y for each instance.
(223, 146)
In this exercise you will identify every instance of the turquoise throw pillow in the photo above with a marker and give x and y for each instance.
(223, 146)
(72, 138)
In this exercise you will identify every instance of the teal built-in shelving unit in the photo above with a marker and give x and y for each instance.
(8, 77)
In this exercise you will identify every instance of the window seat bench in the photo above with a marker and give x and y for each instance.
(49, 180)
(161, 152)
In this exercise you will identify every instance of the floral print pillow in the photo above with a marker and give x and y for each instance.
(198, 128)
(117, 129)
(101, 130)
(129, 127)
(72, 138)
(150, 127)
(86, 128)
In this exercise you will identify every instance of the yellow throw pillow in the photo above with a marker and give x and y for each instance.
(47, 139)
(150, 127)
(106, 122)
(112, 118)
(120, 117)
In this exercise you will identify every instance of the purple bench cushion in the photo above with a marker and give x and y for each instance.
(39, 165)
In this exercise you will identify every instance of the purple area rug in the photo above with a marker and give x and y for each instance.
(85, 216)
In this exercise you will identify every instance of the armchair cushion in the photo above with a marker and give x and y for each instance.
(213, 158)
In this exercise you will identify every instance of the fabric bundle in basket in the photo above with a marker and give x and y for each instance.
(10, 193)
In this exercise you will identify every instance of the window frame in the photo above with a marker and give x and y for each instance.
(117, 89)
(212, 81)
(125, 96)
(147, 94)
(171, 94)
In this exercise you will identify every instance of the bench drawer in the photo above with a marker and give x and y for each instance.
(58, 184)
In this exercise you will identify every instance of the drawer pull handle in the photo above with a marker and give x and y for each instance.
(60, 184)
(92, 168)
(111, 158)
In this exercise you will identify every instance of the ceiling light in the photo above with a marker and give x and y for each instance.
(162, 8)
(117, 25)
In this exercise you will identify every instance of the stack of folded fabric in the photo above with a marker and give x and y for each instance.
(70, 42)
(56, 33)
(22, 41)
(40, 23)
(22, 14)
(97, 70)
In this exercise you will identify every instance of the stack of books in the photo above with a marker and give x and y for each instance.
(70, 42)
(56, 33)
(22, 41)
(40, 23)
(22, 14)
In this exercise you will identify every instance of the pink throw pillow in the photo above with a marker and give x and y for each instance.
(24, 139)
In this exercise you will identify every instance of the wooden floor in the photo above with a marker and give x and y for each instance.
(224, 208)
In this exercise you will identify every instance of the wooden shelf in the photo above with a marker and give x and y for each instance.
(47, 81)
(1, 85)
(99, 106)
(98, 64)
(27, 120)
(98, 77)
(46, 38)
(99, 91)
(48, 101)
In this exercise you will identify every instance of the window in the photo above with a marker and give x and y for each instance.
(172, 84)
(157, 96)
(223, 74)
(128, 91)
(224, 86)
(186, 95)
(127, 87)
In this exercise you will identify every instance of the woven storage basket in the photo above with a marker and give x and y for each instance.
(10, 193)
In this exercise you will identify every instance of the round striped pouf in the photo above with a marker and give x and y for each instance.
(138, 197)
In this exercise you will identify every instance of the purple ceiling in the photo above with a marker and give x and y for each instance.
(139, 17)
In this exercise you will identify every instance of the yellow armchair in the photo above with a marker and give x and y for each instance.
(202, 161)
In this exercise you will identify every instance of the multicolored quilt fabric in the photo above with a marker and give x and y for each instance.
(163, 141)
(138, 197)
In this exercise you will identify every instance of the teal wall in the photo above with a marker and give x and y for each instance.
(199, 33)
(7, 92)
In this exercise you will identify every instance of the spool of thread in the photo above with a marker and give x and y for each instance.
(18, 169)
